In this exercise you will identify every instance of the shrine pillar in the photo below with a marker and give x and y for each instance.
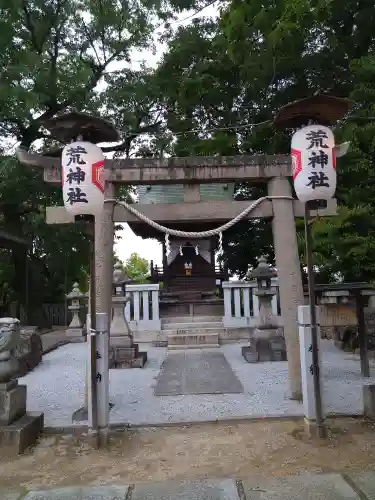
(104, 236)
(289, 274)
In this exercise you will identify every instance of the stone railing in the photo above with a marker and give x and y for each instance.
(241, 305)
(142, 310)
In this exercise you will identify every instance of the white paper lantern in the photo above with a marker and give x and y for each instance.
(314, 163)
(83, 178)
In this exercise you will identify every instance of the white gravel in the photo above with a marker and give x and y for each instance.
(56, 387)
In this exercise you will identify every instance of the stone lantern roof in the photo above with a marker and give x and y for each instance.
(323, 109)
(93, 129)
(263, 270)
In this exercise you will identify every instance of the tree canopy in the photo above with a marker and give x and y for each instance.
(214, 92)
(136, 268)
(229, 78)
(55, 56)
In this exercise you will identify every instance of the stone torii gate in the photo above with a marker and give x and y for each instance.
(275, 170)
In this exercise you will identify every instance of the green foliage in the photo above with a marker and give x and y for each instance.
(241, 70)
(56, 55)
(56, 256)
(136, 268)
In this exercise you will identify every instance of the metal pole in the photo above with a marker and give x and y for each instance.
(92, 399)
(66, 290)
(26, 318)
(102, 378)
(314, 329)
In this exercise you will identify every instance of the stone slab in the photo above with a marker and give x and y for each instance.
(12, 404)
(137, 362)
(196, 373)
(302, 487)
(365, 483)
(121, 341)
(81, 493)
(126, 352)
(187, 490)
(16, 437)
(188, 346)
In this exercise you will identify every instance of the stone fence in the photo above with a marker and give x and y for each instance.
(240, 311)
(142, 310)
(241, 308)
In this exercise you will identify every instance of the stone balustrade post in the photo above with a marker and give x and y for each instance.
(76, 330)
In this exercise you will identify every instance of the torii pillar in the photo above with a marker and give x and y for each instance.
(289, 274)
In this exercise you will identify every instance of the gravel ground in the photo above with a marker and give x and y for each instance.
(246, 450)
(56, 387)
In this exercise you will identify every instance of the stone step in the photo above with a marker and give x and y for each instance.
(192, 331)
(193, 326)
(191, 346)
(191, 319)
(193, 341)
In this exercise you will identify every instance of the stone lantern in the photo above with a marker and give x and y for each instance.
(120, 330)
(267, 342)
(76, 330)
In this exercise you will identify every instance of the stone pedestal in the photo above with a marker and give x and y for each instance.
(267, 342)
(18, 430)
(124, 353)
(12, 402)
(266, 345)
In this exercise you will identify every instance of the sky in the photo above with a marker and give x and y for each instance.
(150, 249)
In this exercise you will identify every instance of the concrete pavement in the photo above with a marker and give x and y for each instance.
(352, 486)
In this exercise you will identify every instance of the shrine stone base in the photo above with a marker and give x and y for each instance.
(18, 429)
(76, 335)
(126, 354)
(265, 346)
